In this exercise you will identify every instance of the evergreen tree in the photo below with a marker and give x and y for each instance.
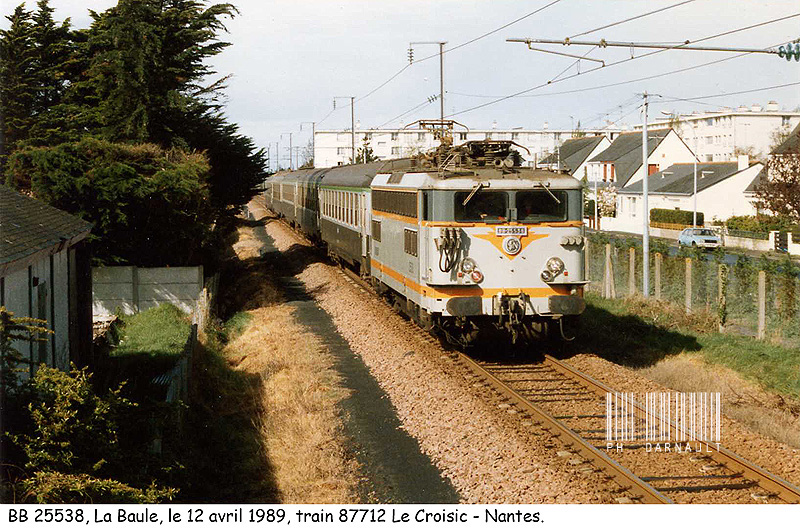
(17, 79)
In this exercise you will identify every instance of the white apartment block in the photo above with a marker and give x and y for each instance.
(715, 136)
(334, 147)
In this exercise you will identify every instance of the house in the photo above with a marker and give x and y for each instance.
(45, 273)
(721, 193)
(574, 154)
(621, 163)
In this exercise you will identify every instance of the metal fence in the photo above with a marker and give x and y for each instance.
(750, 296)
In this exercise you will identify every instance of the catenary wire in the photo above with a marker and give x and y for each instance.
(517, 94)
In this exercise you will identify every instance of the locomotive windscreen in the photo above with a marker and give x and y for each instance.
(539, 205)
(482, 206)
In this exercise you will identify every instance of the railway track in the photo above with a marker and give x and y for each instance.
(570, 406)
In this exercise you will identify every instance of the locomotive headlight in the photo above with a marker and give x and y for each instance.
(547, 276)
(555, 265)
(476, 276)
(468, 265)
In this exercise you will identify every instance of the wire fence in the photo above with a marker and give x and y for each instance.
(759, 297)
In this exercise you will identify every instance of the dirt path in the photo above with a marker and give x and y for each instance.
(331, 433)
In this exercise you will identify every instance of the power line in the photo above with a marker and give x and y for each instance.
(516, 94)
(424, 103)
(632, 18)
(694, 99)
(394, 76)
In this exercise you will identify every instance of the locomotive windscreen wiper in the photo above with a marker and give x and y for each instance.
(474, 191)
(543, 185)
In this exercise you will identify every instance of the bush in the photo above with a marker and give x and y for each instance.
(72, 430)
(760, 223)
(57, 487)
(680, 217)
(76, 446)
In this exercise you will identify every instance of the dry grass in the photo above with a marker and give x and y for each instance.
(767, 413)
(301, 425)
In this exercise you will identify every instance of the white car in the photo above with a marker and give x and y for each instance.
(705, 238)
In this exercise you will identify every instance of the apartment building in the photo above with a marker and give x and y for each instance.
(716, 136)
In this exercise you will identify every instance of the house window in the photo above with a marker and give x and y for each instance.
(514, 136)
(396, 150)
(784, 121)
(652, 168)
(395, 136)
(462, 136)
(421, 137)
(341, 151)
(633, 207)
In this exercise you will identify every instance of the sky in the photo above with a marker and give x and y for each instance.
(291, 58)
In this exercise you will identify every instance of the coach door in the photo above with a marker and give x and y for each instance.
(365, 217)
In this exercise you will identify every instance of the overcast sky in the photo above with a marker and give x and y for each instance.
(291, 57)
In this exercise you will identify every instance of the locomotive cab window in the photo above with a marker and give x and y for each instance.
(539, 205)
(482, 206)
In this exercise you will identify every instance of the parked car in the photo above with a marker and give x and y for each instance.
(695, 237)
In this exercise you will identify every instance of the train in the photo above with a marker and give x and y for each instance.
(464, 240)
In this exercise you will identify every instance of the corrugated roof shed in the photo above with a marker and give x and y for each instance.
(29, 226)
(574, 151)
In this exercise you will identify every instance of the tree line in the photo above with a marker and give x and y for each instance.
(122, 124)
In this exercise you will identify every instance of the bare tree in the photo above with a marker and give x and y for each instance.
(780, 191)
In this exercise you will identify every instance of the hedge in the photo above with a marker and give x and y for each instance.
(684, 217)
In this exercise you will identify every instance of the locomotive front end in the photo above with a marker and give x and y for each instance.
(509, 251)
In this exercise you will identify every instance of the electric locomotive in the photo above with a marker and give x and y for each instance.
(463, 239)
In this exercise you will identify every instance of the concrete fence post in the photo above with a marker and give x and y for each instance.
(609, 290)
(762, 305)
(688, 293)
(658, 276)
(722, 300)
(631, 272)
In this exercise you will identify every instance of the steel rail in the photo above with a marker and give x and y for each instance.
(786, 491)
(578, 444)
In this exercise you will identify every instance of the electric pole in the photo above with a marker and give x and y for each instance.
(313, 139)
(646, 210)
(441, 69)
(352, 124)
(290, 149)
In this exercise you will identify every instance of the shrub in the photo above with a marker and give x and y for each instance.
(57, 487)
(760, 223)
(681, 217)
(72, 430)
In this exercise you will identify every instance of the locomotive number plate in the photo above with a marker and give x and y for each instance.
(511, 231)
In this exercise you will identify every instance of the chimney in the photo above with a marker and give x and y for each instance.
(744, 162)
(773, 106)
